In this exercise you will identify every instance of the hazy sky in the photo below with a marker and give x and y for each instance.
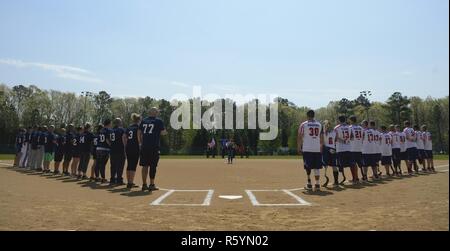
(310, 52)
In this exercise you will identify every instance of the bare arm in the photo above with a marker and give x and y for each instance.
(164, 132)
(299, 141)
(139, 137)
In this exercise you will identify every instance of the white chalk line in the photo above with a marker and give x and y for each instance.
(255, 201)
(206, 201)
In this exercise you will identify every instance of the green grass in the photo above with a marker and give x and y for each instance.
(7, 156)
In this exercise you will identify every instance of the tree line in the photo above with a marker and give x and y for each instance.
(22, 106)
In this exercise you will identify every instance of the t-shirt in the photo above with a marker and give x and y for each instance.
(329, 139)
(60, 143)
(402, 136)
(395, 140)
(116, 140)
(411, 137)
(311, 131)
(420, 143)
(342, 138)
(369, 142)
(86, 139)
(151, 128)
(428, 141)
(132, 141)
(386, 144)
(356, 138)
(102, 144)
(50, 145)
(69, 144)
(377, 135)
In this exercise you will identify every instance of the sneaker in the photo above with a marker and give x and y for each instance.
(91, 179)
(56, 172)
(153, 187)
(78, 177)
(144, 188)
(104, 181)
(336, 185)
(308, 187)
(98, 180)
(120, 183)
(130, 185)
(84, 177)
(316, 187)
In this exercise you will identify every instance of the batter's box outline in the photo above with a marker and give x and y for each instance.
(255, 202)
(206, 201)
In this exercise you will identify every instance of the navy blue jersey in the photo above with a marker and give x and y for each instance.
(132, 142)
(94, 142)
(29, 134)
(116, 140)
(60, 142)
(105, 133)
(20, 139)
(26, 137)
(41, 138)
(151, 128)
(34, 139)
(76, 144)
(86, 139)
(50, 142)
(68, 138)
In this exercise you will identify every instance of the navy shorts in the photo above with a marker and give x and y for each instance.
(386, 160)
(149, 157)
(67, 156)
(396, 155)
(344, 159)
(412, 153)
(370, 159)
(356, 159)
(403, 155)
(329, 159)
(59, 156)
(421, 154)
(429, 154)
(312, 160)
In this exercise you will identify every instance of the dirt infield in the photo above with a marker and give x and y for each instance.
(271, 200)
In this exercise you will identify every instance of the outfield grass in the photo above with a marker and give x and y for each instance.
(11, 157)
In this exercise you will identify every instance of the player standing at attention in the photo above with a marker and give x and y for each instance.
(103, 149)
(41, 148)
(343, 147)
(231, 149)
(378, 151)
(86, 139)
(329, 151)
(310, 143)
(34, 148)
(31, 147)
(25, 148)
(369, 150)
(411, 147)
(60, 146)
(76, 151)
(132, 148)
(403, 153)
(386, 149)
(68, 149)
(117, 154)
(19, 144)
(49, 147)
(420, 147)
(149, 132)
(94, 153)
(356, 147)
(428, 148)
(365, 126)
(395, 149)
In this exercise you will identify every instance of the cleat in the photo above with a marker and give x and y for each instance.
(316, 187)
(104, 181)
(130, 185)
(308, 187)
(144, 188)
(153, 187)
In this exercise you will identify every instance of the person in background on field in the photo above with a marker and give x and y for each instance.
(132, 148)
(403, 153)
(395, 149)
(118, 155)
(49, 148)
(356, 132)
(103, 151)
(329, 151)
(86, 139)
(19, 144)
(95, 140)
(60, 147)
(343, 147)
(420, 147)
(231, 148)
(76, 151)
(41, 148)
(428, 146)
(68, 151)
(386, 149)
(25, 148)
(411, 147)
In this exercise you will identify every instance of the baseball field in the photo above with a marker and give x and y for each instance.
(208, 194)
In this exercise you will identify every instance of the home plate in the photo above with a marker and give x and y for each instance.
(230, 197)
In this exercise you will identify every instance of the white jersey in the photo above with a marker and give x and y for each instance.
(402, 137)
(329, 139)
(411, 137)
(311, 131)
(420, 143)
(395, 140)
(386, 144)
(356, 133)
(342, 138)
(369, 141)
(428, 141)
(377, 136)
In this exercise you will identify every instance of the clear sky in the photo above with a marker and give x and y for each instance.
(310, 52)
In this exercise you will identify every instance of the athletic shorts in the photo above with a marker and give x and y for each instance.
(344, 159)
(49, 156)
(403, 155)
(149, 157)
(18, 149)
(328, 159)
(356, 158)
(428, 154)
(59, 156)
(312, 160)
(421, 154)
(370, 159)
(94, 154)
(412, 153)
(396, 154)
(67, 156)
(76, 154)
(386, 160)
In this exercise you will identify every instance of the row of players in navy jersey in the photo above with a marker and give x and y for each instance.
(37, 147)
(352, 145)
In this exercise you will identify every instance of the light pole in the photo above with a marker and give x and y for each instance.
(366, 94)
(85, 94)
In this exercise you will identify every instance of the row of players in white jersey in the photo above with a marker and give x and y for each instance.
(362, 146)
